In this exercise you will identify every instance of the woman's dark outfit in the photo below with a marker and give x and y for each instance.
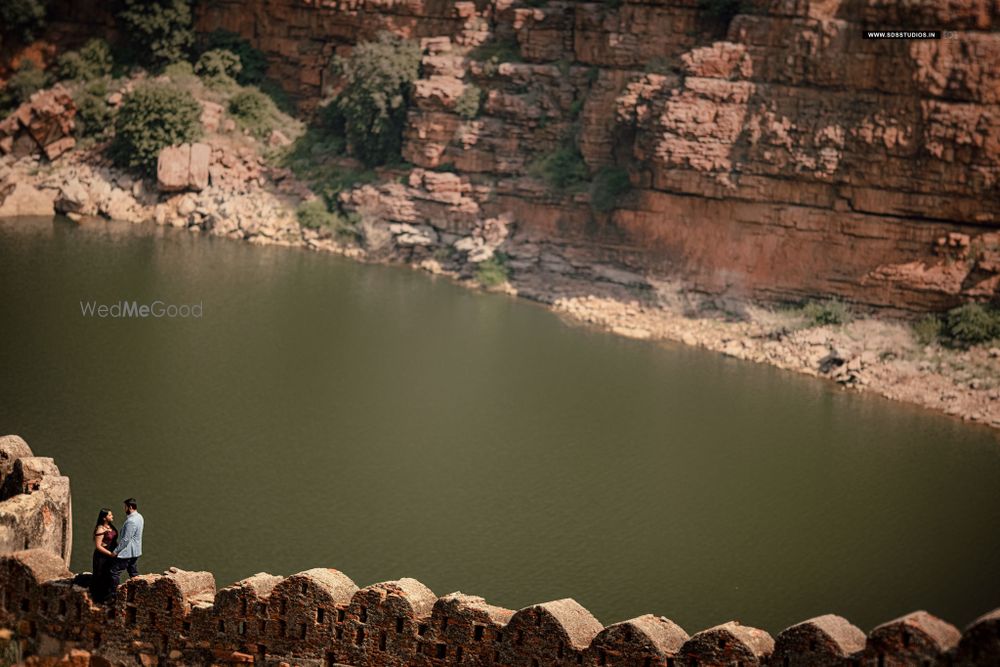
(101, 584)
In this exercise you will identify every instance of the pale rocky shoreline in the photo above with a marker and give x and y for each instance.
(248, 200)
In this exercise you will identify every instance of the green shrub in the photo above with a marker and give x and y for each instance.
(493, 271)
(94, 117)
(309, 158)
(159, 32)
(928, 330)
(25, 82)
(832, 311)
(254, 111)
(468, 103)
(609, 185)
(253, 61)
(562, 169)
(972, 324)
(378, 77)
(218, 63)
(22, 19)
(179, 70)
(151, 118)
(273, 89)
(330, 120)
(92, 61)
(495, 52)
(315, 215)
(329, 183)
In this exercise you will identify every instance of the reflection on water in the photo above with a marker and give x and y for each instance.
(389, 424)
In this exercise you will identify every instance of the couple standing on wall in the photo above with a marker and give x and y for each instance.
(113, 552)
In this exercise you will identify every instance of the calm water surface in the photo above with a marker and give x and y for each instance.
(388, 424)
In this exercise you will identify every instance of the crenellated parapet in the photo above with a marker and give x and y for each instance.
(321, 617)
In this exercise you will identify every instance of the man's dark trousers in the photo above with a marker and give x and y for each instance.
(124, 564)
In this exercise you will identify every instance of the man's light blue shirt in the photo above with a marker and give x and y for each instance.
(130, 541)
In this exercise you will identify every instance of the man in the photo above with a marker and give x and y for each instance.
(129, 543)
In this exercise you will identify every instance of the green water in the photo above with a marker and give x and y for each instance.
(389, 424)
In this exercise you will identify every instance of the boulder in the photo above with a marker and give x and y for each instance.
(183, 167)
(201, 155)
(42, 125)
(172, 168)
(73, 198)
(26, 199)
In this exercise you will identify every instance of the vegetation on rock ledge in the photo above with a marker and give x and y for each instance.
(27, 80)
(493, 272)
(609, 186)
(468, 103)
(254, 111)
(253, 62)
(152, 117)
(21, 19)
(972, 324)
(159, 32)
(371, 109)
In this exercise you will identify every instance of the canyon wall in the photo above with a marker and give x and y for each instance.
(779, 156)
(321, 617)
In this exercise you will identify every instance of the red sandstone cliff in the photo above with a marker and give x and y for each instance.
(781, 156)
(790, 158)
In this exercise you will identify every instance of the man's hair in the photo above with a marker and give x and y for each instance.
(131, 504)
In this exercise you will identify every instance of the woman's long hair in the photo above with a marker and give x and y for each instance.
(101, 516)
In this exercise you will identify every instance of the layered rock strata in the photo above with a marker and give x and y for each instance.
(789, 158)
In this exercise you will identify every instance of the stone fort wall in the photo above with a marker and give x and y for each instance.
(320, 617)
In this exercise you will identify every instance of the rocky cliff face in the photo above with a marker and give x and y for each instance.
(781, 156)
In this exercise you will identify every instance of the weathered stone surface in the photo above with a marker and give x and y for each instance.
(12, 447)
(980, 643)
(183, 167)
(25, 199)
(728, 643)
(646, 639)
(550, 632)
(35, 504)
(824, 641)
(172, 168)
(916, 638)
(74, 198)
(43, 125)
(201, 155)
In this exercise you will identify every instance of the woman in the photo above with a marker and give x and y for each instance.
(105, 541)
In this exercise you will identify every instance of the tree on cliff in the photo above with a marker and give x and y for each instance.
(20, 20)
(371, 108)
(159, 32)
